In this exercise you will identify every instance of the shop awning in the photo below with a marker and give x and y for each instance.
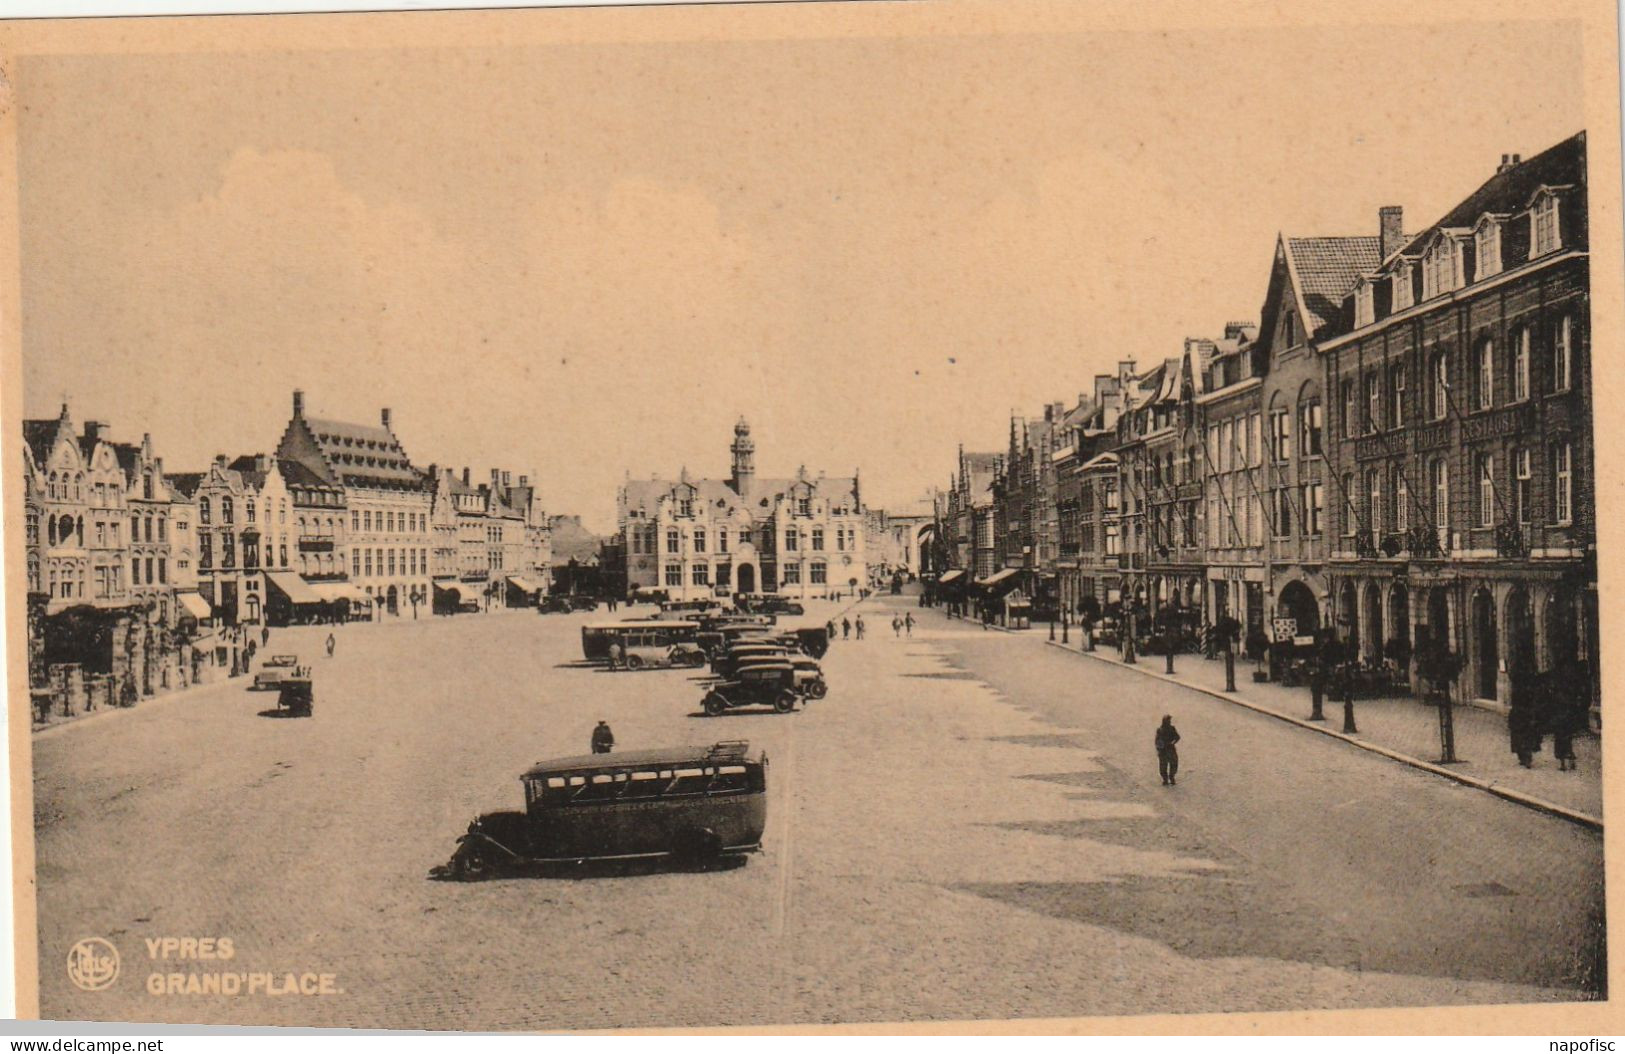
(950, 576)
(458, 591)
(334, 592)
(999, 580)
(194, 605)
(296, 589)
(524, 585)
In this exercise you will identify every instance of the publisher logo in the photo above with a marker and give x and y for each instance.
(93, 964)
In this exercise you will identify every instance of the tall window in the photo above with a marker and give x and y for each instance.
(1562, 336)
(1520, 364)
(1562, 483)
(1402, 501)
(1227, 447)
(818, 539)
(792, 540)
(1314, 508)
(1373, 489)
(820, 573)
(792, 574)
(1521, 484)
(1545, 236)
(674, 574)
(1439, 393)
(804, 506)
(1310, 427)
(1396, 395)
(1351, 513)
(1351, 414)
(1440, 473)
(204, 510)
(673, 540)
(248, 510)
(701, 574)
(1283, 512)
(1255, 442)
(699, 539)
(1486, 490)
(1373, 402)
(1280, 435)
(1484, 385)
(722, 539)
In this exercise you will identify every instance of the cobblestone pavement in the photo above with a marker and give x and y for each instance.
(969, 826)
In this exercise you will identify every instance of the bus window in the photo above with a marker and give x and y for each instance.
(729, 779)
(603, 785)
(643, 785)
(688, 781)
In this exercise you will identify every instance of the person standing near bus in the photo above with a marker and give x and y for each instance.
(603, 740)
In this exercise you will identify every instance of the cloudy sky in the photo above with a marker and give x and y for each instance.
(584, 259)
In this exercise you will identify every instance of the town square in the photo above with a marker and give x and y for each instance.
(695, 548)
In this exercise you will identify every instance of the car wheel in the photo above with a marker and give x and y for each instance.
(818, 689)
(634, 662)
(785, 701)
(472, 864)
(715, 704)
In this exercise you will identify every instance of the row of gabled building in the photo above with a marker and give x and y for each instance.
(1399, 453)
(125, 560)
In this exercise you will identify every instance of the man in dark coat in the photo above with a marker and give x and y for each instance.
(603, 740)
(1167, 753)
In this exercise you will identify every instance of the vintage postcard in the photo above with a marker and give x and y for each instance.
(940, 515)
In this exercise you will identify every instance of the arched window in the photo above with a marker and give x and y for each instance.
(226, 510)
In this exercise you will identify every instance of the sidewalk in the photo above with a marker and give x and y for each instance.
(1401, 728)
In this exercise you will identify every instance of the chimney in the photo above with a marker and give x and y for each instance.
(383, 416)
(298, 403)
(1391, 226)
(468, 477)
(158, 467)
(220, 460)
(96, 429)
(1508, 162)
(524, 481)
(507, 479)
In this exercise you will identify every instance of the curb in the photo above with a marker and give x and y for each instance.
(1517, 797)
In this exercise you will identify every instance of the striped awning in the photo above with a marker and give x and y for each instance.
(194, 604)
(296, 589)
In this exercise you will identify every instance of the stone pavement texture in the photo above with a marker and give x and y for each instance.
(967, 827)
(1403, 724)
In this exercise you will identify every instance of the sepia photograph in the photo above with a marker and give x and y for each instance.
(803, 515)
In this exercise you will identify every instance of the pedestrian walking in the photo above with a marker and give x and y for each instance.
(265, 635)
(859, 627)
(616, 654)
(829, 627)
(846, 628)
(1167, 752)
(908, 624)
(603, 740)
(331, 644)
(896, 626)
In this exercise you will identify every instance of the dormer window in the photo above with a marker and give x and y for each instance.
(1487, 248)
(1365, 304)
(1402, 287)
(1440, 273)
(1545, 234)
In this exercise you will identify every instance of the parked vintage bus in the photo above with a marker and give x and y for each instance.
(647, 633)
(693, 803)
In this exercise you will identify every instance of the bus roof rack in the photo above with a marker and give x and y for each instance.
(728, 750)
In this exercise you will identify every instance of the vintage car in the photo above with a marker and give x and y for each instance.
(694, 804)
(726, 664)
(809, 678)
(760, 684)
(555, 604)
(295, 695)
(660, 656)
(767, 604)
(722, 636)
(641, 595)
(689, 608)
(277, 668)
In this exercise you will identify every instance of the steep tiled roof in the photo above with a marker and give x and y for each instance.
(41, 437)
(363, 455)
(1561, 165)
(296, 474)
(184, 483)
(1324, 270)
